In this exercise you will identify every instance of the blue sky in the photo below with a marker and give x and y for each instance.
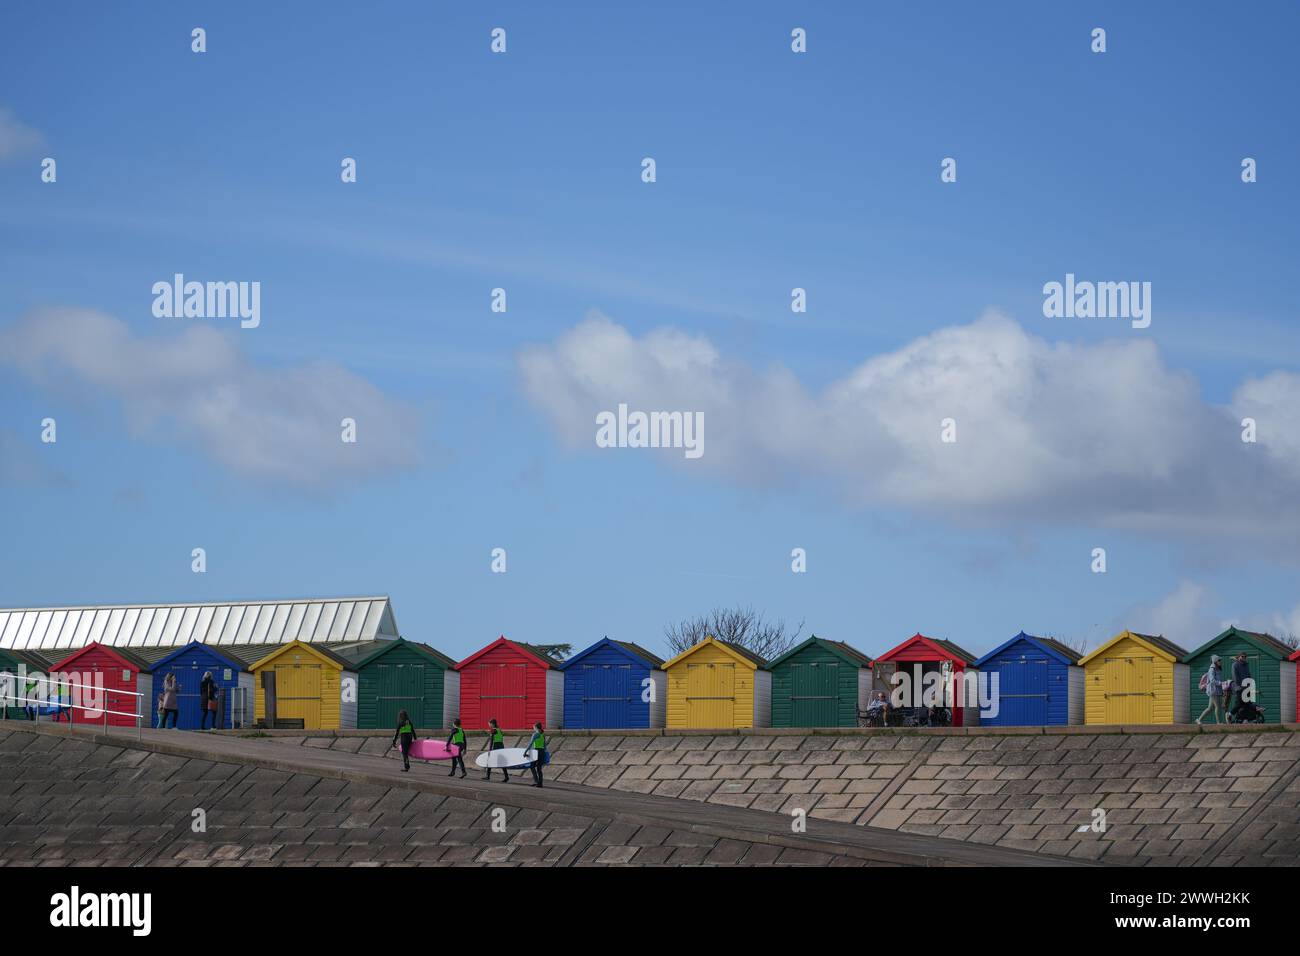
(775, 170)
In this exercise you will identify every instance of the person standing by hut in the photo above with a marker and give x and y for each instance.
(209, 700)
(457, 739)
(171, 704)
(538, 746)
(496, 741)
(406, 732)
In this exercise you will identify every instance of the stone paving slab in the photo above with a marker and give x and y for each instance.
(255, 794)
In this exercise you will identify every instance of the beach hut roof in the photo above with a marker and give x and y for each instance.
(941, 648)
(363, 654)
(1266, 643)
(633, 650)
(531, 650)
(849, 654)
(1161, 646)
(742, 653)
(125, 656)
(160, 661)
(1054, 649)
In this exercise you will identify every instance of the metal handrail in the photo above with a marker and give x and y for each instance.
(139, 721)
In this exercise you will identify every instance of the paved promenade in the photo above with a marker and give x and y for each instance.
(86, 798)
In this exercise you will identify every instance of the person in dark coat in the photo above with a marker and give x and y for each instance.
(209, 695)
(1240, 674)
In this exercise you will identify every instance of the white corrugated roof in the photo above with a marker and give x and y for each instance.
(315, 620)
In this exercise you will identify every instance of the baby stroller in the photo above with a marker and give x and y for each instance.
(1247, 712)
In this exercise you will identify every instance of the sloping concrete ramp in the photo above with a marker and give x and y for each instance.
(166, 798)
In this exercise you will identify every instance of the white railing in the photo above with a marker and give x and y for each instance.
(57, 702)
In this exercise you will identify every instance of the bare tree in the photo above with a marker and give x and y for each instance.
(741, 626)
(1077, 644)
(1290, 638)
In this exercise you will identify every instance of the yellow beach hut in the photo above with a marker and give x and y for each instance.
(715, 685)
(1136, 679)
(306, 682)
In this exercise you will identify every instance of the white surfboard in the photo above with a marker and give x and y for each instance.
(508, 758)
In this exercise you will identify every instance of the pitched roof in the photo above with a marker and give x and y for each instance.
(531, 650)
(1161, 645)
(160, 656)
(945, 648)
(135, 660)
(742, 653)
(30, 658)
(641, 652)
(1265, 642)
(851, 654)
(635, 650)
(310, 620)
(244, 653)
(1063, 653)
(365, 653)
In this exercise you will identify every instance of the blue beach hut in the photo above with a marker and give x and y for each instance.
(1040, 683)
(189, 664)
(604, 688)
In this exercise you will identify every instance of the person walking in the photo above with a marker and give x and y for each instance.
(1240, 674)
(406, 732)
(1212, 684)
(496, 741)
(457, 739)
(170, 703)
(209, 700)
(538, 746)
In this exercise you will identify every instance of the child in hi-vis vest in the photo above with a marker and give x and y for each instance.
(457, 739)
(496, 741)
(538, 746)
(406, 731)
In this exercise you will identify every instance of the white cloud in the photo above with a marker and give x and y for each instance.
(1045, 431)
(275, 425)
(1183, 616)
(1277, 623)
(16, 138)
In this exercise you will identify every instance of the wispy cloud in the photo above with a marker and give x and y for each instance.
(279, 426)
(16, 138)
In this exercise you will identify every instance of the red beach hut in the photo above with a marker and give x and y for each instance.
(920, 655)
(120, 673)
(516, 683)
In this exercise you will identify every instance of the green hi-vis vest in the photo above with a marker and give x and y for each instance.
(458, 737)
(498, 737)
(541, 742)
(406, 728)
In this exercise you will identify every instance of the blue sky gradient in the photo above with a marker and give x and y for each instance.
(522, 171)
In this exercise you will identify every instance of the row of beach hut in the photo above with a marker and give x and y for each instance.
(1131, 679)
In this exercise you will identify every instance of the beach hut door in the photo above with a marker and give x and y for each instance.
(711, 695)
(1129, 682)
(1022, 695)
(813, 698)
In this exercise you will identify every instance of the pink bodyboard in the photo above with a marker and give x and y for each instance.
(432, 750)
